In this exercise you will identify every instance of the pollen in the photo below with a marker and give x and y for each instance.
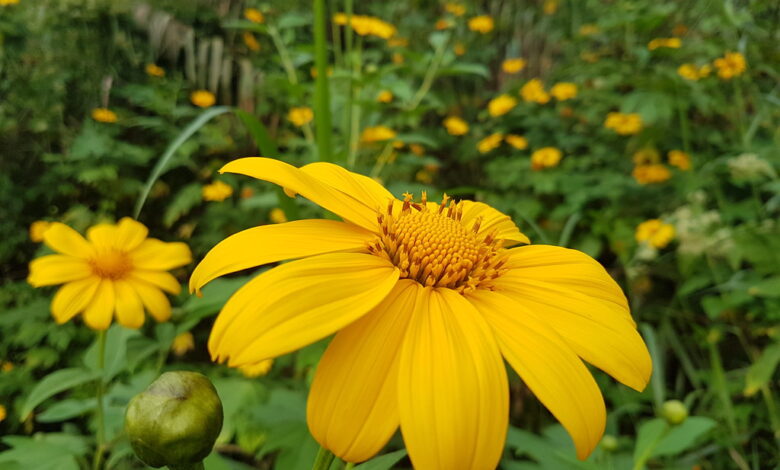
(431, 244)
(111, 264)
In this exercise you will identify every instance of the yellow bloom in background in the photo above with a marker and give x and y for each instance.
(455, 125)
(396, 41)
(589, 29)
(37, 229)
(203, 98)
(442, 24)
(398, 58)
(646, 156)
(624, 123)
(426, 300)
(501, 105)
(549, 7)
(424, 177)
(459, 49)
(183, 343)
(104, 115)
(456, 9)
(6, 3)
(490, 142)
(7, 366)
(372, 26)
(340, 19)
(670, 43)
(679, 159)
(517, 141)
(300, 116)
(654, 232)
(259, 369)
(482, 24)
(377, 134)
(731, 65)
(545, 157)
(417, 149)
(688, 72)
(564, 91)
(3, 412)
(533, 92)
(705, 70)
(250, 41)
(117, 271)
(216, 191)
(514, 65)
(154, 70)
(385, 96)
(277, 216)
(651, 174)
(254, 15)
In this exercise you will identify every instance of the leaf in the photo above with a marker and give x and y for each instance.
(761, 372)
(465, 69)
(769, 287)
(53, 384)
(215, 294)
(66, 409)
(649, 435)
(258, 132)
(187, 198)
(683, 436)
(383, 462)
(115, 354)
(52, 451)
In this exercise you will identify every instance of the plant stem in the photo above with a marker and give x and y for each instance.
(99, 414)
(430, 74)
(322, 90)
(349, 466)
(323, 460)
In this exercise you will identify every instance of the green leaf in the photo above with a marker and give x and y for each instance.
(762, 371)
(53, 384)
(187, 198)
(769, 287)
(258, 132)
(116, 351)
(683, 436)
(383, 462)
(649, 435)
(465, 69)
(66, 409)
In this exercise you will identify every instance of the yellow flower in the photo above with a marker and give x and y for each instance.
(385, 96)
(372, 26)
(731, 65)
(277, 216)
(154, 70)
(501, 105)
(545, 157)
(517, 141)
(456, 9)
(513, 65)
(688, 72)
(671, 43)
(6, 366)
(646, 156)
(313, 71)
(490, 142)
(377, 134)
(424, 177)
(216, 191)
(459, 49)
(104, 115)
(417, 149)
(340, 18)
(398, 58)
(3, 412)
(655, 233)
(679, 159)
(2, 4)
(203, 98)
(564, 91)
(37, 229)
(589, 29)
(183, 343)
(397, 42)
(550, 7)
(250, 41)
(259, 369)
(456, 125)
(442, 24)
(705, 70)
(424, 299)
(624, 124)
(482, 24)
(254, 15)
(651, 174)
(533, 92)
(116, 271)
(300, 116)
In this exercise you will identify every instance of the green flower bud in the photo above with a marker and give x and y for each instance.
(609, 443)
(674, 412)
(175, 421)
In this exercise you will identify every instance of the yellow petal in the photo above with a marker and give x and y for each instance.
(573, 294)
(492, 221)
(103, 235)
(63, 239)
(153, 299)
(161, 279)
(129, 309)
(452, 387)
(156, 255)
(340, 203)
(297, 303)
(548, 367)
(130, 233)
(363, 188)
(270, 243)
(73, 298)
(353, 402)
(57, 269)
(100, 311)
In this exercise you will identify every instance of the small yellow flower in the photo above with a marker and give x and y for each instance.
(459, 49)
(670, 43)
(517, 141)
(550, 7)
(37, 229)
(6, 3)
(513, 65)
(183, 343)
(340, 18)
(731, 65)
(679, 159)
(442, 24)
(624, 124)
(417, 149)
(203, 98)
(104, 115)
(372, 26)
(533, 92)
(456, 9)
(300, 115)
(424, 177)
(277, 216)
(154, 70)
(564, 91)
(705, 70)
(646, 156)
(254, 15)
(482, 24)
(655, 233)
(377, 134)
(250, 41)
(651, 174)
(589, 29)
(456, 125)
(398, 58)
(3, 412)
(247, 192)
(689, 72)
(501, 105)
(7, 366)
(385, 96)
(259, 369)
(116, 271)
(490, 142)
(545, 157)
(216, 191)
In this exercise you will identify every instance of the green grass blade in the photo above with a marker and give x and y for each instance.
(259, 134)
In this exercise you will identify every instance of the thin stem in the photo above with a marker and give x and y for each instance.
(349, 466)
(99, 414)
(354, 106)
(382, 159)
(323, 460)
(430, 75)
(322, 89)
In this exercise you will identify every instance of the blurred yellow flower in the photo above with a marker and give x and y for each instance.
(513, 65)
(37, 229)
(545, 157)
(385, 96)
(203, 98)
(3, 412)
(247, 192)
(340, 18)
(490, 142)
(624, 123)
(688, 72)
(650, 174)
(670, 43)
(459, 49)
(731, 65)
(250, 41)
(7, 366)
(424, 177)
(679, 159)
(5, 3)
(216, 191)
(183, 343)
(564, 91)
(550, 7)
(533, 92)
(398, 59)
(259, 369)
(154, 70)
(589, 29)
(482, 24)
(443, 24)
(300, 116)
(277, 216)
(116, 271)
(655, 233)
(104, 115)
(254, 15)
(417, 149)
(397, 42)
(377, 134)
(517, 141)
(501, 105)
(456, 125)
(456, 9)
(646, 156)
(372, 26)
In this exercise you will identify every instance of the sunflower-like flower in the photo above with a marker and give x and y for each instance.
(425, 298)
(116, 271)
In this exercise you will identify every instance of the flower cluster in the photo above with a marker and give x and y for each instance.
(655, 233)
(624, 123)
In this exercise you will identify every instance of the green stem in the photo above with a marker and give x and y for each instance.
(323, 460)
(382, 159)
(99, 414)
(349, 466)
(354, 107)
(284, 55)
(719, 382)
(322, 90)
(430, 75)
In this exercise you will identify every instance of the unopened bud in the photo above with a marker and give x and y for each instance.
(674, 412)
(609, 443)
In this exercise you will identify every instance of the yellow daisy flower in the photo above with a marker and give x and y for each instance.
(250, 41)
(254, 15)
(550, 7)
(104, 115)
(651, 174)
(545, 157)
(654, 232)
(482, 24)
(277, 216)
(300, 116)
(679, 159)
(216, 191)
(517, 141)
(183, 343)
(564, 91)
(501, 105)
(385, 96)
(6, 366)
(3, 413)
(37, 229)
(533, 92)
(624, 123)
(376, 134)
(670, 43)
(424, 299)
(116, 271)
(6, 3)
(456, 9)
(154, 70)
(490, 142)
(513, 65)
(203, 98)
(456, 126)
(731, 65)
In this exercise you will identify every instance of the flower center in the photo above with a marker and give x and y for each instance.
(433, 246)
(111, 264)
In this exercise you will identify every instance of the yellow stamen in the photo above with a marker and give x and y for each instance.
(111, 264)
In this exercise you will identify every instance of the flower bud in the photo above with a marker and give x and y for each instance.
(609, 443)
(674, 412)
(175, 421)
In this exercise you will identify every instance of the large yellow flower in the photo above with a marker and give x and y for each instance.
(425, 299)
(115, 271)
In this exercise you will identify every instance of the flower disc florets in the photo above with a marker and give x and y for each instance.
(111, 264)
